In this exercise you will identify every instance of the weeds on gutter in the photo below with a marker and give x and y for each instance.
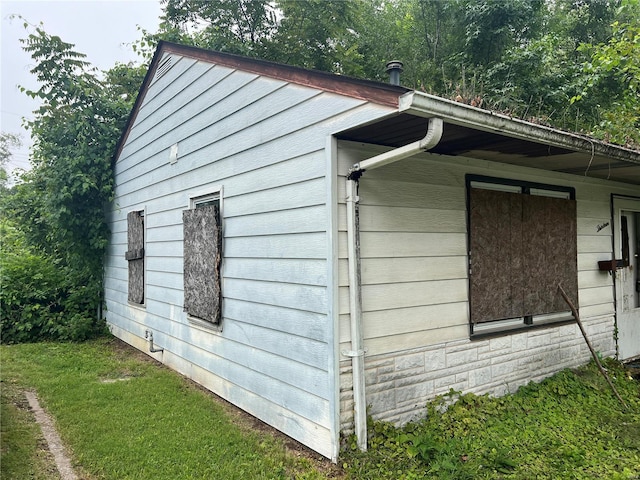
(568, 426)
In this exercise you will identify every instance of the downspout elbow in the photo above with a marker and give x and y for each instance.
(430, 140)
(149, 335)
(433, 135)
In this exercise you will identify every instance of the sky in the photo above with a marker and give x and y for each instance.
(102, 29)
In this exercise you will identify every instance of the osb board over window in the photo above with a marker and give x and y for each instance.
(202, 257)
(496, 255)
(521, 248)
(135, 256)
(551, 246)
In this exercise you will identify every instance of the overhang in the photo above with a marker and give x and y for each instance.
(476, 133)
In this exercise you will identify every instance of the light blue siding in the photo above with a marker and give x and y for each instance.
(263, 142)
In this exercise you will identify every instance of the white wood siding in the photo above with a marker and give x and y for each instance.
(263, 141)
(414, 241)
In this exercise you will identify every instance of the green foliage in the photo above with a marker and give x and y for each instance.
(52, 278)
(613, 78)
(320, 34)
(492, 27)
(75, 132)
(568, 426)
(39, 299)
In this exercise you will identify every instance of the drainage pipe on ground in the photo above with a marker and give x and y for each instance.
(430, 140)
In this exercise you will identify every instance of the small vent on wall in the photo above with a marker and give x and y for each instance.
(164, 67)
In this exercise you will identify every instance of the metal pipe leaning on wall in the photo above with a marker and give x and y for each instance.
(576, 315)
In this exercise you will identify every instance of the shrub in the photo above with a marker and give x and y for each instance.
(38, 300)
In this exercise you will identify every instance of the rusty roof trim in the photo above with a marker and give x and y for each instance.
(371, 91)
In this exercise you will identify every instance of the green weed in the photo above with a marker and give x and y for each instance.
(568, 426)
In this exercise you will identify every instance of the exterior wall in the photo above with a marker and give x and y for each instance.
(400, 384)
(263, 141)
(415, 286)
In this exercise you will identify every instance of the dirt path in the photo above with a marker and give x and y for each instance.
(53, 439)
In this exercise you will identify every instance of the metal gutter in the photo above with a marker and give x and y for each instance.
(430, 140)
(425, 105)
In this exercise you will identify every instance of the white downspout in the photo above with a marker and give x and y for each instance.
(431, 139)
(355, 309)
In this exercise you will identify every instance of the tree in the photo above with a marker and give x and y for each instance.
(319, 34)
(491, 27)
(60, 205)
(614, 70)
(75, 131)
(235, 26)
(8, 141)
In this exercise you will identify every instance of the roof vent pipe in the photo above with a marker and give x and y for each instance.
(394, 69)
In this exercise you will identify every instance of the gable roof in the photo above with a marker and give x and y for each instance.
(469, 131)
(375, 92)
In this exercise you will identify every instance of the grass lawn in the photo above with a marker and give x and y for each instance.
(24, 450)
(124, 416)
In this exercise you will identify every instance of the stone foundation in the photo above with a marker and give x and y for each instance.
(399, 385)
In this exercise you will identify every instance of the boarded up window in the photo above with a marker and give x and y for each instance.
(202, 258)
(135, 256)
(521, 247)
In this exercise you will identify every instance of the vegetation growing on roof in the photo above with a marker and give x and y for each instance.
(569, 64)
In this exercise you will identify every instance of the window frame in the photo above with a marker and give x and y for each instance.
(142, 211)
(510, 325)
(195, 199)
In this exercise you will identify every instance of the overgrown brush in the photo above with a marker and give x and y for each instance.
(38, 299)
(568, 426)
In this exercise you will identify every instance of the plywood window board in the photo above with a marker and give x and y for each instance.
(135, 256)
(521, 247)
(202, 260)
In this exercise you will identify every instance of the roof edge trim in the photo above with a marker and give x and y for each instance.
(426, 105)
(371, 91)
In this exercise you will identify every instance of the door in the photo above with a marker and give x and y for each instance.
(627, 243)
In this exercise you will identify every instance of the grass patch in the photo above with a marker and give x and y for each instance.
(23, 449)
(125, 417)
(569, 426)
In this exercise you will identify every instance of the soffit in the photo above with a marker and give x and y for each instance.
(471, 142)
